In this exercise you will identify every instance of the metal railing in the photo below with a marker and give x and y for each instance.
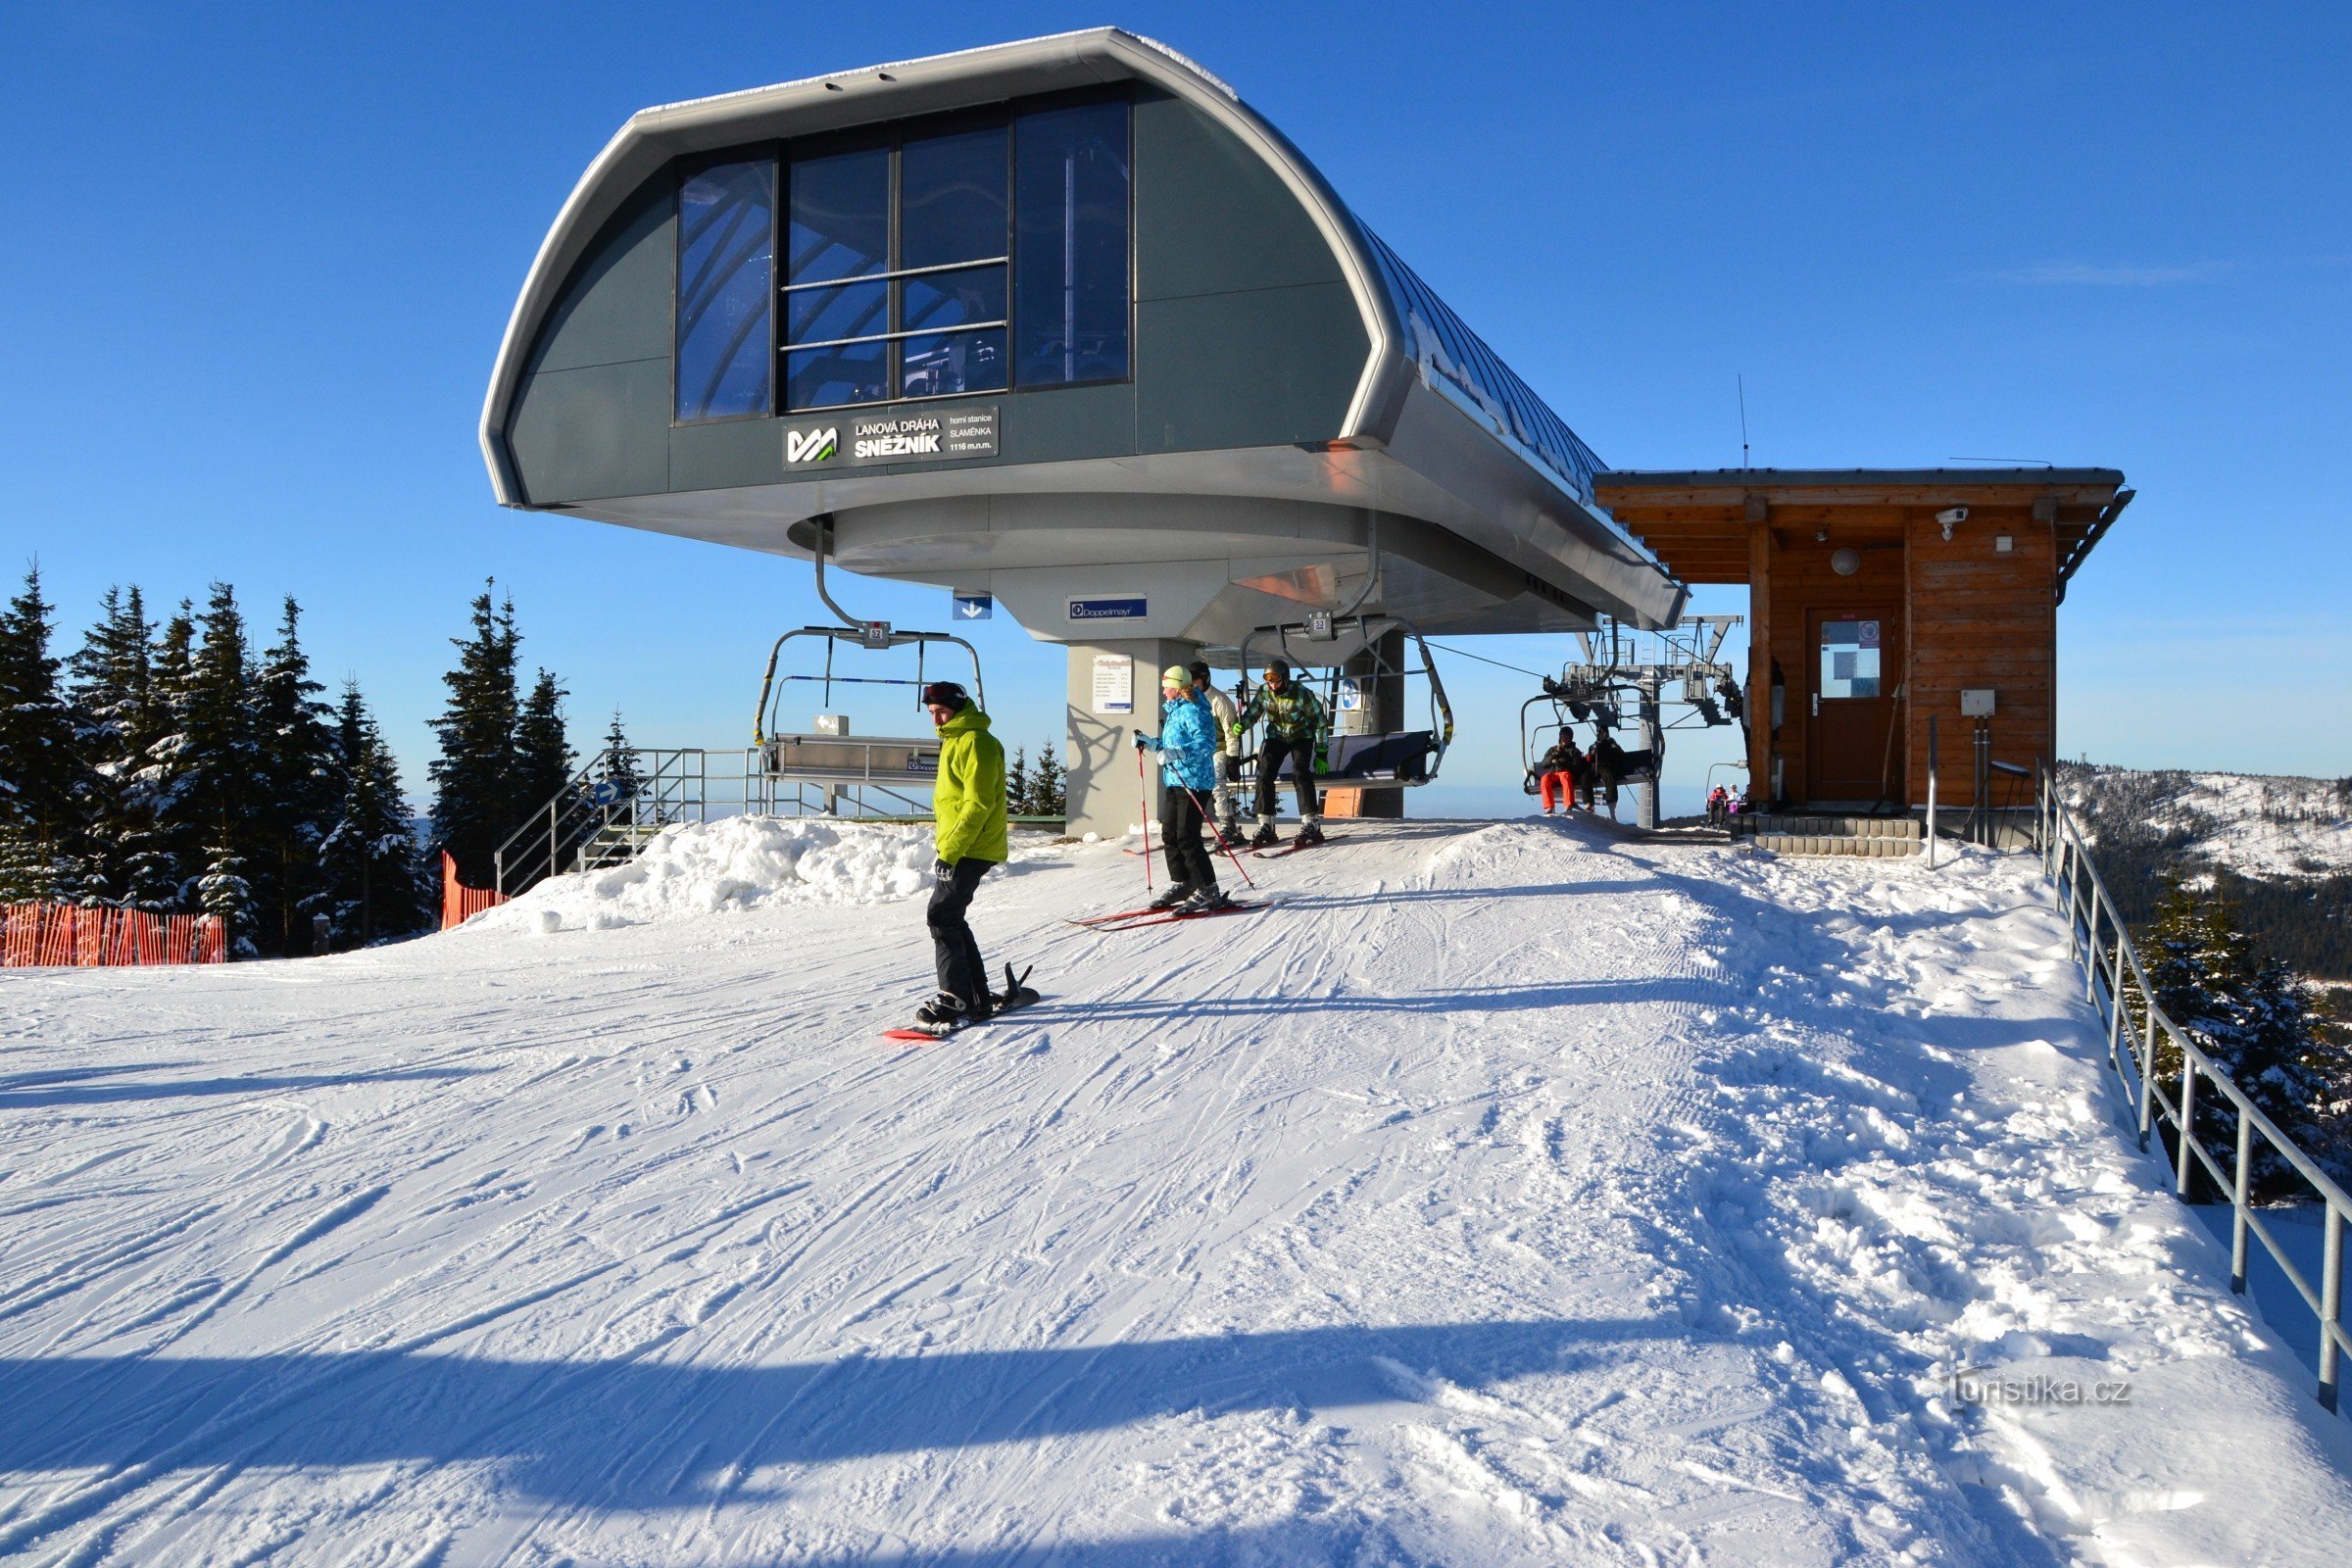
(607, 812)
(2084, 899)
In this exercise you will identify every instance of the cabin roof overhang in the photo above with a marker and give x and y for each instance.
(1700, 523)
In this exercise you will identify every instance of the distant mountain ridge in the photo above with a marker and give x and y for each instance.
(2279, 846)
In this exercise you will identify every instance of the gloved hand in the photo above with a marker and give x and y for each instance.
(1141, 740)
(942, 869)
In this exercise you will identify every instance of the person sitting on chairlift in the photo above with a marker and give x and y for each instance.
(1295, 722)
(1608, 767)
(1560, 771)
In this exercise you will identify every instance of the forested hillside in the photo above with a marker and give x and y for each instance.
(2280, 847)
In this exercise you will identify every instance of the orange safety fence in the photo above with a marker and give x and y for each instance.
(460, 902)
(63, 935)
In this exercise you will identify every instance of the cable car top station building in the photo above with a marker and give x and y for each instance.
(1062, 322)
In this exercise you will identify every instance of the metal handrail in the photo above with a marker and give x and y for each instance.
(2083, 899)
(689, 784)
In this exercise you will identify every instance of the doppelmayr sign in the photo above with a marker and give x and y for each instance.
(859, 440)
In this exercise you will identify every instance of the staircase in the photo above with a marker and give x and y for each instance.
(1875, 837)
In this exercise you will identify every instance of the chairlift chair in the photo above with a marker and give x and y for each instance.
(894, 761)
(1387, 760)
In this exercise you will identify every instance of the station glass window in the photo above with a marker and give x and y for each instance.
(858, 269)
(836, 293)
(726, 263)
(1849, 659)
(1072, 181)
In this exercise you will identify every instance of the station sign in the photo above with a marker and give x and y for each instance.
(1114, 683)
(893, 435)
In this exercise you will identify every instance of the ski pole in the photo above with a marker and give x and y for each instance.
(1142, 797)
(1220, 838)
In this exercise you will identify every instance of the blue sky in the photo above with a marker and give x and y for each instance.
(258, 259)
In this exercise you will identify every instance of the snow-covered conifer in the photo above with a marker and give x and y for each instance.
(474, 794)
(299, 790)
(376, 880)
(40, 766)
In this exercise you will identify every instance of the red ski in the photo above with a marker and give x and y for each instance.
(1133, 922)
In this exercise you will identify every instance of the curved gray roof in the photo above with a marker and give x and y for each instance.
(1437, 426)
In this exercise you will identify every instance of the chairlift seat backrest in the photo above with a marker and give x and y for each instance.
(836, 760)
(1398, 757)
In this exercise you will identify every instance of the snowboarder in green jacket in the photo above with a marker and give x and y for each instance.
(968, 803)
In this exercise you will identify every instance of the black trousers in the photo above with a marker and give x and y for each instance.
(952, 949)
(1269, 762)
(1190, 864)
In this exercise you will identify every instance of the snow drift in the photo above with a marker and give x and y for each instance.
(737, 863)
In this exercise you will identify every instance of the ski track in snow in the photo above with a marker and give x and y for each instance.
(1505, 1194)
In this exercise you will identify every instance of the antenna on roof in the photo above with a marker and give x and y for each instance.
(1743, 382)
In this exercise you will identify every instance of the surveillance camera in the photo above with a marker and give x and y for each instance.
(1951, 515)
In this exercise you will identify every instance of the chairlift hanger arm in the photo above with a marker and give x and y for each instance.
(857, 636)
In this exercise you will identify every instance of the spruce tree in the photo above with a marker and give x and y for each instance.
(474, 794)
(221, 802)
(225, 891)
(1049, 795)
(41, 771)
(114, 698)
(299, 790)
(621, 783)
(543, 757)
(376, 881)
(2254, 1018)
(1016, 783)
(160, 871)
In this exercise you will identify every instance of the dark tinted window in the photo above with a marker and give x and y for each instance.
(940, 365)
(847, 373)
(840, 217)
(727, 274)
(1070, 264)
(951, 199)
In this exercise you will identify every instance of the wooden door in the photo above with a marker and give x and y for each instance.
(1857, 661)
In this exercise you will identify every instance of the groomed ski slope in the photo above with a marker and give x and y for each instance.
(1507, 1194)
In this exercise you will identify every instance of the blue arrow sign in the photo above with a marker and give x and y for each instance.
(975, 607)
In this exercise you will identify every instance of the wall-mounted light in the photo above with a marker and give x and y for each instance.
(1846, 561)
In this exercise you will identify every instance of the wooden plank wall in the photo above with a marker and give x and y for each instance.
(1982, 618)
(1801, 582)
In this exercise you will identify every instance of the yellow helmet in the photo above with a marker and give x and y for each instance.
(1176, 675)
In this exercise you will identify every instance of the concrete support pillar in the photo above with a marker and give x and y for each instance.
(1100, 751)
(1381, 712)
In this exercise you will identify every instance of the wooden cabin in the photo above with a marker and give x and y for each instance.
(1880, 597)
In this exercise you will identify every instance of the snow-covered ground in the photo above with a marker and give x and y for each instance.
(1504, 1194)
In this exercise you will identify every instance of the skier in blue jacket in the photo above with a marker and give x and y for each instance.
(1188, 744)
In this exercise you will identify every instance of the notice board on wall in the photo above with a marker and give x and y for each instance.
(1114, 683)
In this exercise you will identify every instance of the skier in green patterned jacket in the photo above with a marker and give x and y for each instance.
(968, 803)
(1294, 724)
